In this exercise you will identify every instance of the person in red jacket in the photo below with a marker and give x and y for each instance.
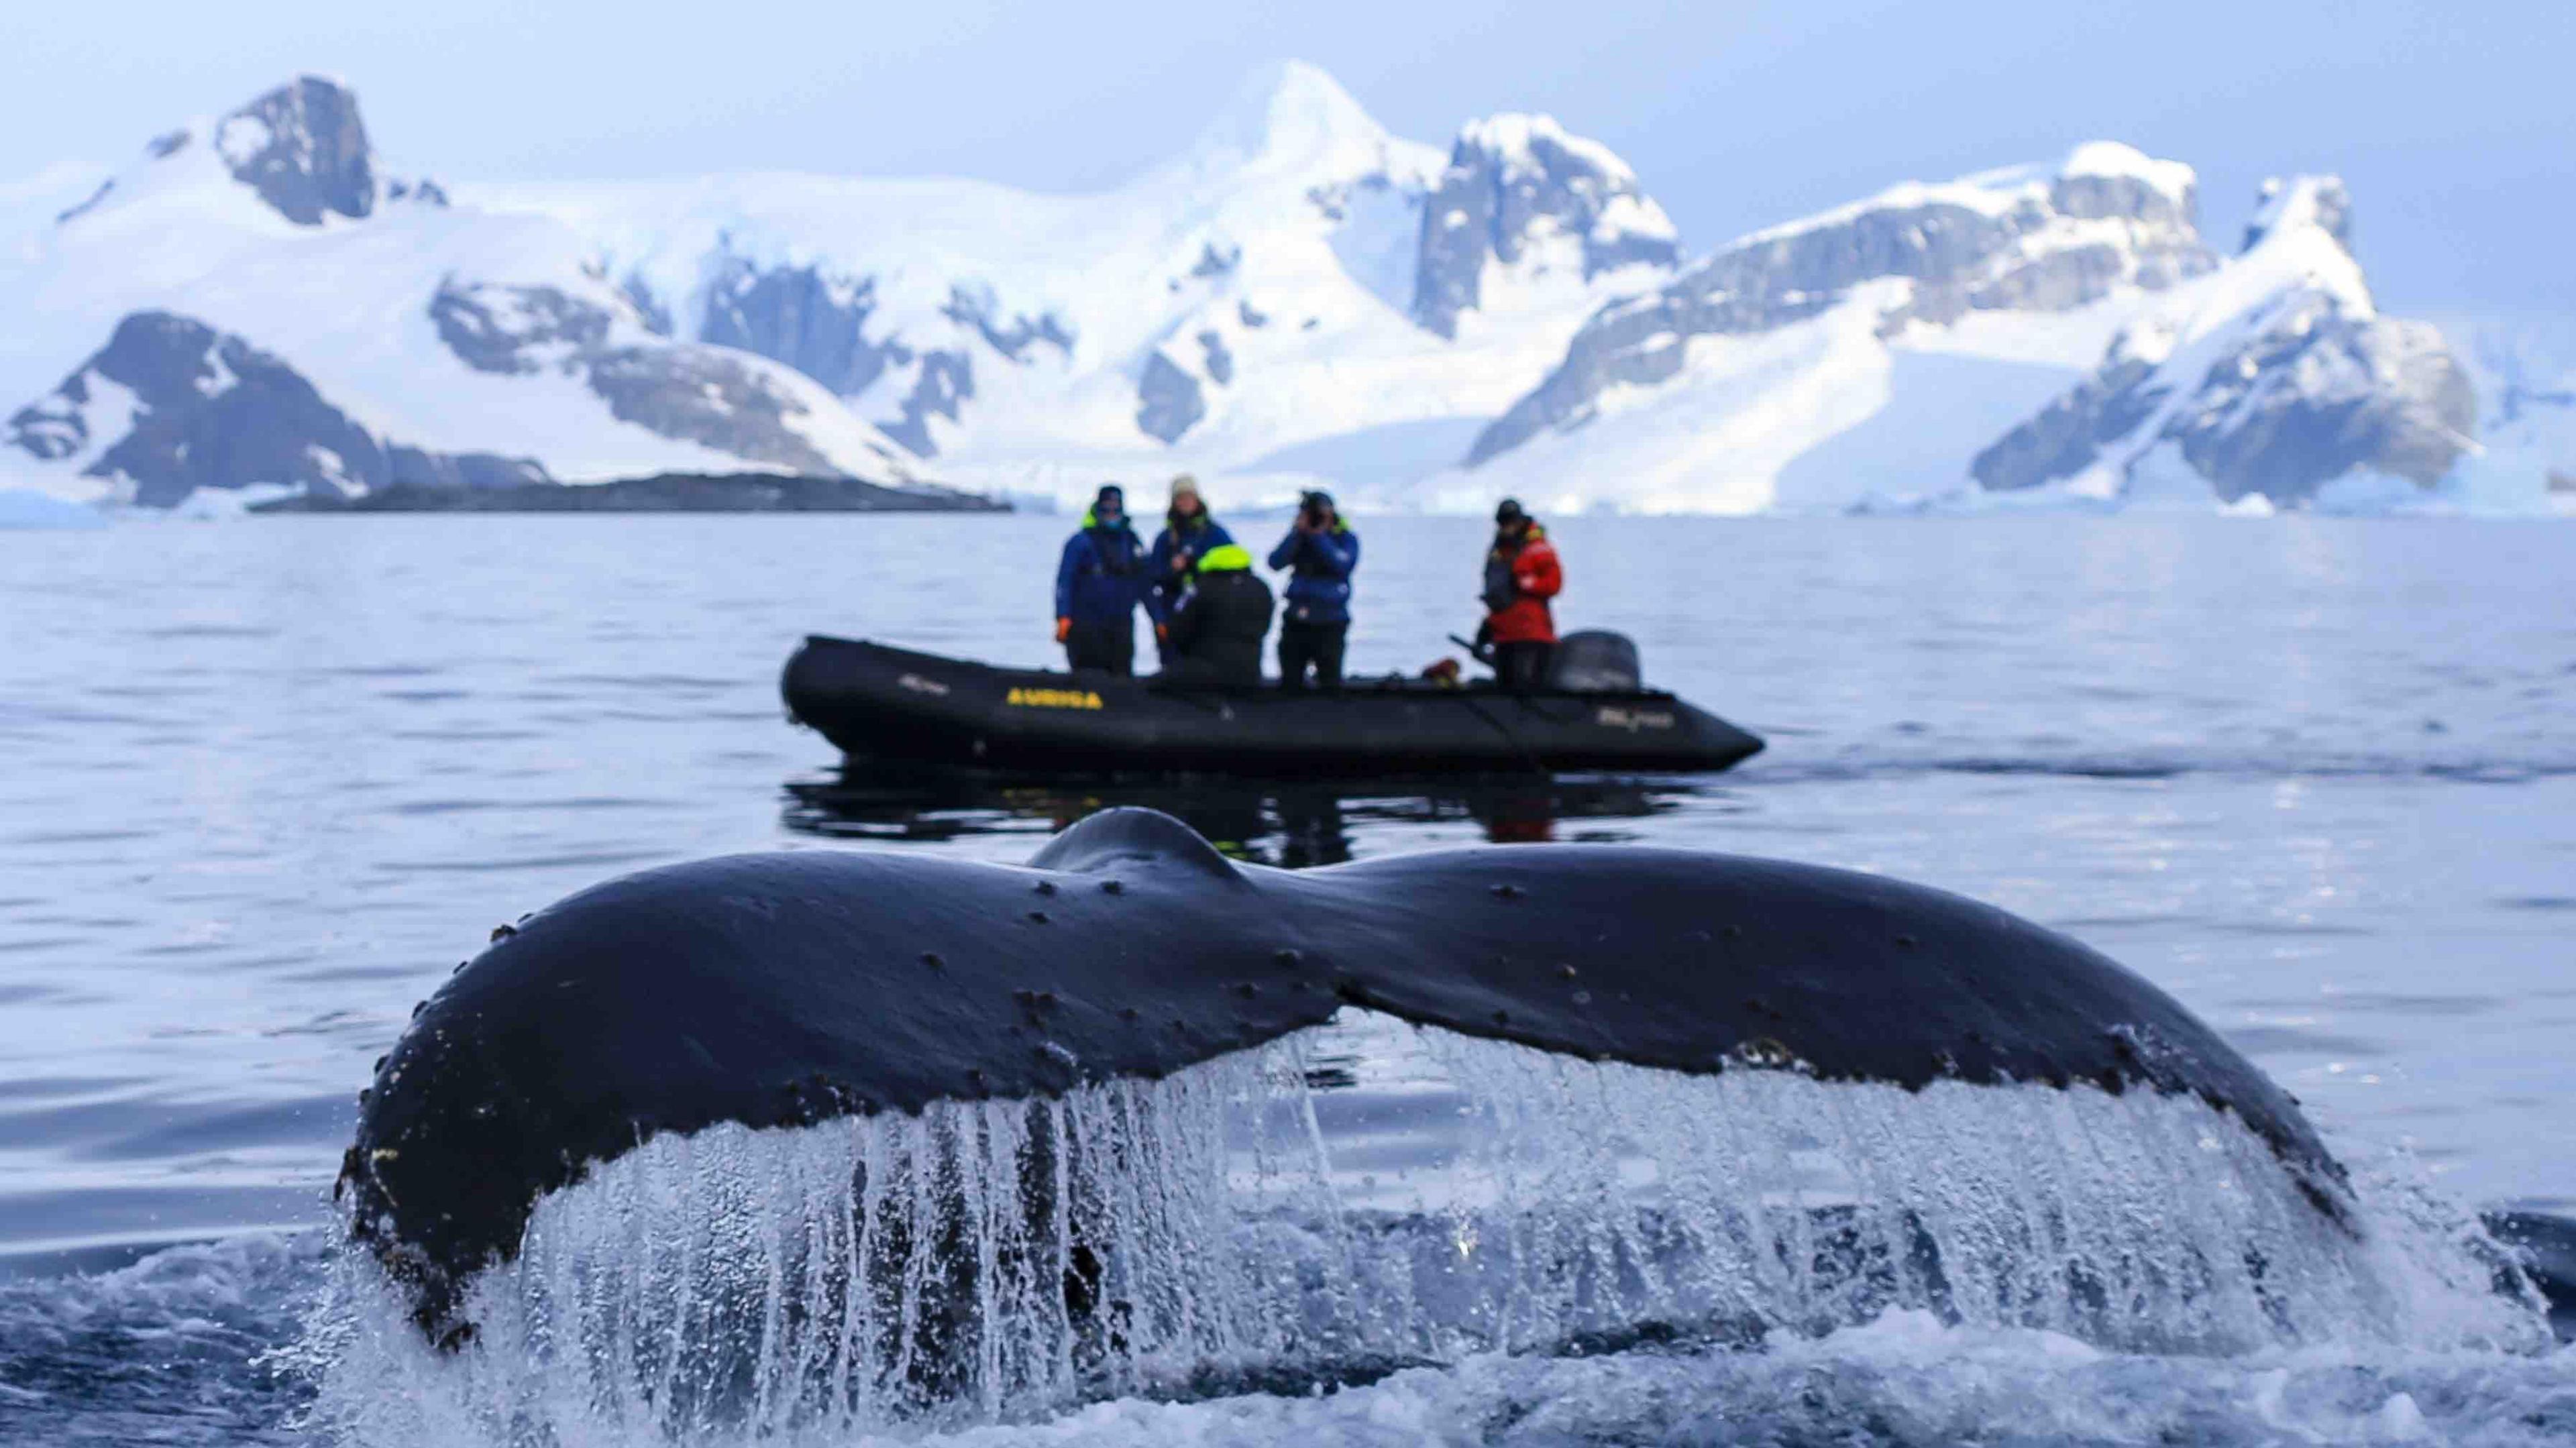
(1521, 575)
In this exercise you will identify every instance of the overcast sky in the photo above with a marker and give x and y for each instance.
(2455, 124)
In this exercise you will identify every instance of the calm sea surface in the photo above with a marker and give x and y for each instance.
(263, 784)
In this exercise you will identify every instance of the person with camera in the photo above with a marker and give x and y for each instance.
(1521, 575)
(1320, 553)
(1188, 535)
(1098, 584)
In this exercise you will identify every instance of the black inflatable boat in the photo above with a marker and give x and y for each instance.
(888, 704)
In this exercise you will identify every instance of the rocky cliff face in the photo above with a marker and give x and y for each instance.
(1169, 401)
(171, 405)
(687, 393)
(1520, 191)
(2014, 242)
(2302, 385)
(304, 150)
(816, 320)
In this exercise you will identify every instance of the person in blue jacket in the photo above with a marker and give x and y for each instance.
(1187, 537)
(1097, 587)
(1320, 553)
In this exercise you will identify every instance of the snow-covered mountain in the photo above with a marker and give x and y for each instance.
(254, 302)
(2273, 376)
(1805, 364)
(1297, 297)
(1297, 274)
(2055, 336)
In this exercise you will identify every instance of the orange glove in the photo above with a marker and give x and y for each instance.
(1163, 633)
(1063, 629)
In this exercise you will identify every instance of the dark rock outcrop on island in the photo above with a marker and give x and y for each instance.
(1513, 183)
(303, 148)
(210, 410)
(2032, 255)
(2310, 387)
(662, 493)
(1168, 400)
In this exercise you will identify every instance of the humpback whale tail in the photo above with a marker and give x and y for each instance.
(865, 1135)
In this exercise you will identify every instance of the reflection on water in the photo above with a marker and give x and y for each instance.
(1267, 822)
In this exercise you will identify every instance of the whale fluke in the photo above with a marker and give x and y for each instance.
(785, 989)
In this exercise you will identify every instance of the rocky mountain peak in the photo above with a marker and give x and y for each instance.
(303, 148)
(2105, 179)
(1519, 184)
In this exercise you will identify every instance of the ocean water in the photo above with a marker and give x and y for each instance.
(263, 783)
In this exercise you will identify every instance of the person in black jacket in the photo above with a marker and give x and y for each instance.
(1217, 631)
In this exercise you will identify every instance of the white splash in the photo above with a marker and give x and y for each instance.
(1288, 1215)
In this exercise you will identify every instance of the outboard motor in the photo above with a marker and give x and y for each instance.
(1594, 661)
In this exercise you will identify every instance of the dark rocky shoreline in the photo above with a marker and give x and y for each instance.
(661, 493)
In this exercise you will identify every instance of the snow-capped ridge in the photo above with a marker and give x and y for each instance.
(1199, 313)
(1289, 114)
(2120, 160)
(1518, 136)
(1999, 191)
(1922, 256)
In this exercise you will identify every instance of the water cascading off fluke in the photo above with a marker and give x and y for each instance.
(914, 1135)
